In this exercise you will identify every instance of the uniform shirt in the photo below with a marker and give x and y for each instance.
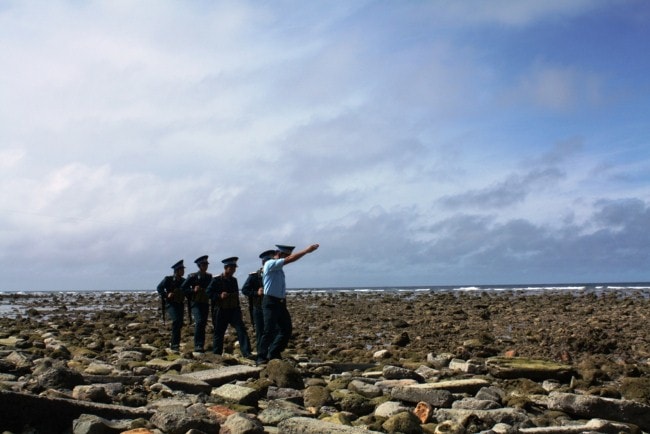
(252, 284)
(172, 284)
(273, 277)
(203, 280)
(221, 284)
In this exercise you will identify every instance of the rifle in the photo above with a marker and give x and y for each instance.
(189, 308)
(250, 312)
(162, 305)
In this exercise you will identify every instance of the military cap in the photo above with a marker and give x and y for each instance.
(201, 260)
(267, 254)
(230, 261)
(285, 249)
(178, 265)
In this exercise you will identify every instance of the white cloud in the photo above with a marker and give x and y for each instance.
(140, 133)
(558, 88)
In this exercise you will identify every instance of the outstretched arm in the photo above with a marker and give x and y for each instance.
(295, 256)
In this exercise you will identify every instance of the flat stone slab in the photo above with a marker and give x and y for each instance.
(219, 376)
(164, 365)
(594, 425)
(185, 383)
(11, 341)
(469, 385)
(533, 369)
(589, 406)
(237, 394)
(57, 414)
(305, 425)
(122, 379)
(415, 394)
(507, 415)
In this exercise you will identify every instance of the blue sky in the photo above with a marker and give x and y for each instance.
(419, 142)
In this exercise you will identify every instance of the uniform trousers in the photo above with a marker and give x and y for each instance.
(221, 318)
(258, 322)
(175, 312)
(277, 327)
(200, 312)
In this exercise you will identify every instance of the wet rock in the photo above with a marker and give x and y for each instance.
(303, 425)
(239, 423)
(356, 404)
(475, 404)
(99, 368)
(398, 373)
(390, 408)
(434, 396)
(91, 424)
(594, 425)
(219, 376)
(607, 408)
(180, 422)
(285, 393)
(59, 377)
(637, 389)
(468, 366)
(450, 427)
(236, 394)
(537, 370)
(283, 374)
(491, 393)
(510, 416)
(365, 389)
(405, 422)
(91, 393)
(469, 385)
(184, 383)
(316, 397)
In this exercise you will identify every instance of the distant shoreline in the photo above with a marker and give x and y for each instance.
(532, 288)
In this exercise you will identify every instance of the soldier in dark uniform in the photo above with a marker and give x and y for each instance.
(223, 292)
(254, 289)
(195, 286)
(172, 296)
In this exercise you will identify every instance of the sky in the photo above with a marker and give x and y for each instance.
(437, 142)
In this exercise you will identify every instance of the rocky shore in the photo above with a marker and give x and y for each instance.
(497, 362)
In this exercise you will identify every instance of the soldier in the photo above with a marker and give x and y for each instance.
(195, 286)
(277, 320)
(254, 289)
(223, 292)
(172, 298)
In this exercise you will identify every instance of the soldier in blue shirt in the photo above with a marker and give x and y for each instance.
(195, 286)
(173, 301)
(277, 320)
(223, 292)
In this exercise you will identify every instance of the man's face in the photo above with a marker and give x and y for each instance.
(203, 267)
(180, 271)
(229, 270)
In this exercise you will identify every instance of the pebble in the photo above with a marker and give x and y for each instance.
(51, 381)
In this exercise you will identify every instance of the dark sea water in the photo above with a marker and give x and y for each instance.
(627, 287)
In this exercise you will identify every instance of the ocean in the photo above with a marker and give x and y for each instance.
(622, 287)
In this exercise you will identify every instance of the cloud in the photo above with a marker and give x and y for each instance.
(513, 190)
(558, 88)
(138, 134)
(515, 14)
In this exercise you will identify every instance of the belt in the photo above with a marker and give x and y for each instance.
(278, 299)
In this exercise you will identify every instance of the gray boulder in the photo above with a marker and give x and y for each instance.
(589, 406)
